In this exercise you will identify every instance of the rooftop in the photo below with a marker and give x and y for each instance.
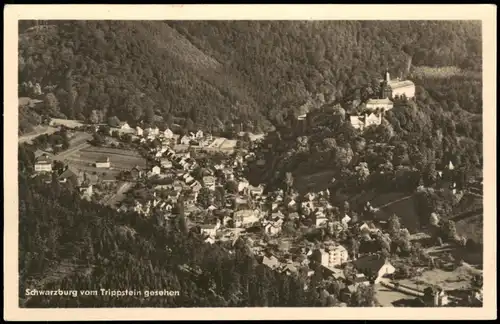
(385, 101)
(104, 159)
(68, 173)
(370, 263)
(398, 84)
(43, 159)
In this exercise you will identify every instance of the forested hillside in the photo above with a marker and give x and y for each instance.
(214, 74)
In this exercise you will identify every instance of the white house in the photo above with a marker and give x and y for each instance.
(345, 220)
(139, 131)
(320, 219)
(43, 164)
(103, 163)
(155, 170)
(189, 179)
(124, 126)
(209, 229)
(374, 266)
(209, 182)
(255, 191)
(185, 140)
(310, 196)
(245, 217)
(273, 228)
(357, 122)
(334, 256)
(86, 190)
(168, 133)
(198, 135)
(373, 119)
(242, 185)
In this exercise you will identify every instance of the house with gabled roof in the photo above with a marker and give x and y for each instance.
(43, 164)
(374, 267)
(185, 140)
(167, 133)
(103, 162)
(271, 262)
(68, 175)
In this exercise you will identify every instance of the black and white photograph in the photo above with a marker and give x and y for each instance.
(175, 163)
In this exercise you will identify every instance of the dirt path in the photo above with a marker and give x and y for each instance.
(61, 156)
(40, 131)
(394, 201)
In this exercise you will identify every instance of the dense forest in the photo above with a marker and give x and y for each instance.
(233, 74)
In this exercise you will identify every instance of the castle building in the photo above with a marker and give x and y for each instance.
(380, 104)
(396, 88)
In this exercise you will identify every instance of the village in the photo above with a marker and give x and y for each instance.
(206, 179)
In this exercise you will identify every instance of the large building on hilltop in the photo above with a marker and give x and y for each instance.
(396, 88)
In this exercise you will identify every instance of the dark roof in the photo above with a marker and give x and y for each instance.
(68, 173)
(39, 153)
(43, 159)
(370, 264)
(103, 159)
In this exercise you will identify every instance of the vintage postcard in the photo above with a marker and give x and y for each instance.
(249, 162)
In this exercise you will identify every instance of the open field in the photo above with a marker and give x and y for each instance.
(219, 144)
(70, 123)
(448, 280)
(442, 72)
(84, 156)
(390, 203)
(78, 138)
(120, 159)
(222, 144)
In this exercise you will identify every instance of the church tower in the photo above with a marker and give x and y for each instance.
(385, 88)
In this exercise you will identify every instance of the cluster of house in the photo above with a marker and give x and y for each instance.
(143, 134)
(330, 261)
(196, 139)
(84, 182)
